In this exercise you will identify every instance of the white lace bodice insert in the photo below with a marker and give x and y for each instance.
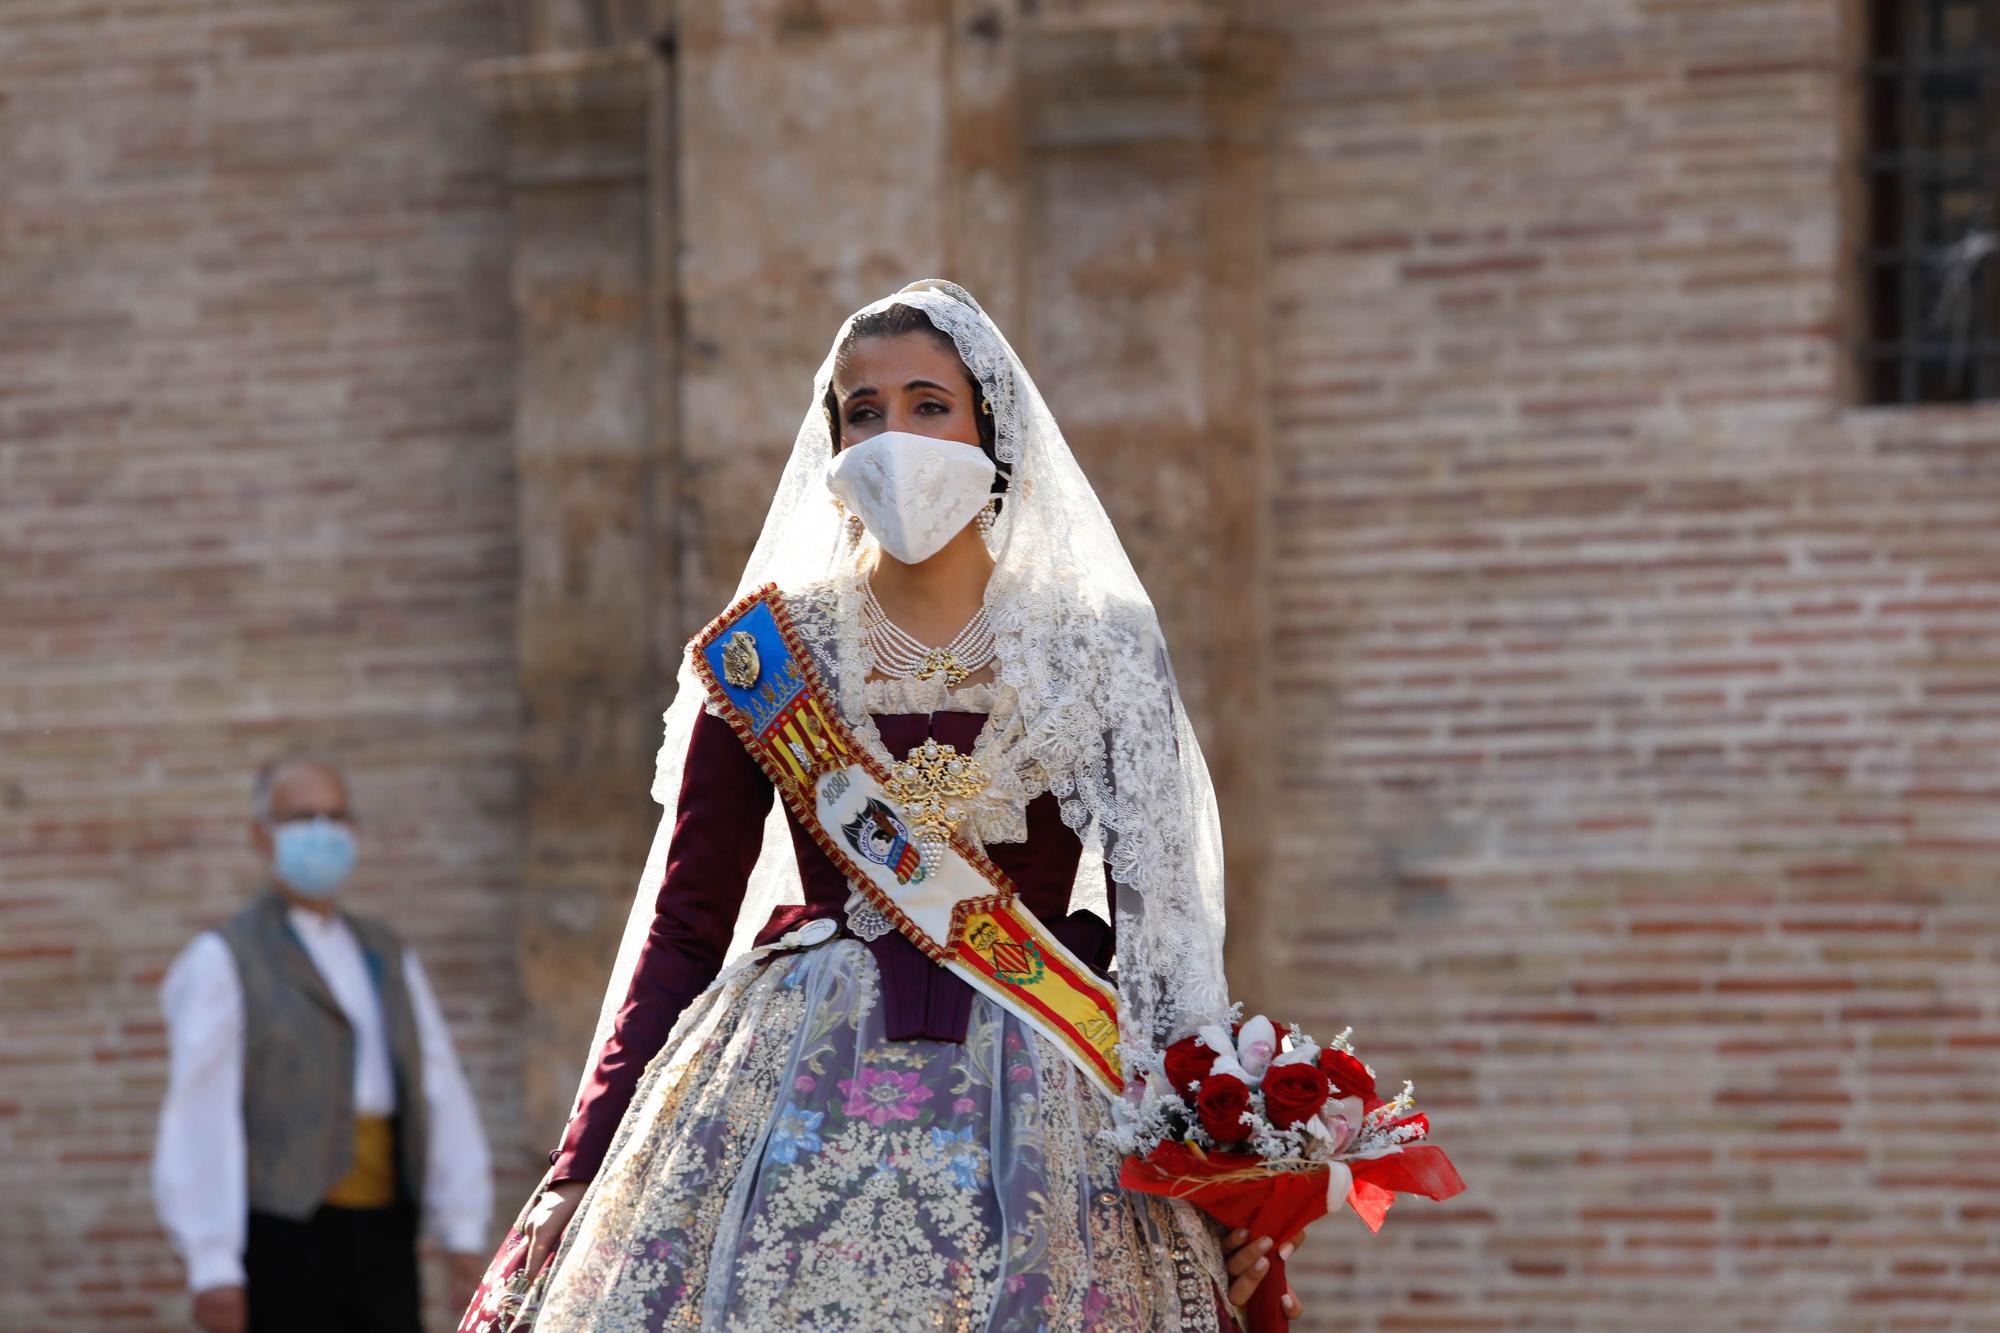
(929, 696)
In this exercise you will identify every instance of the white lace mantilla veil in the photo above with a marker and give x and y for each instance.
(1079, 641)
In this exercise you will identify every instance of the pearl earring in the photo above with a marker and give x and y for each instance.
(851, 525)
(988, 515)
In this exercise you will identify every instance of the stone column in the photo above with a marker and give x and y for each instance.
(584, 129)
(816, 176)
(1145, 132)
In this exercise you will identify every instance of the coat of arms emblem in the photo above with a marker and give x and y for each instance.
(1018, 963)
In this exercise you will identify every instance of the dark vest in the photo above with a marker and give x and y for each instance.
(298, 1061)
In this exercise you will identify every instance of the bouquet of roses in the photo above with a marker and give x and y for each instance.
(1267, 1134)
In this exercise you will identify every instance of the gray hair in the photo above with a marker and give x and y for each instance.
(268, 775)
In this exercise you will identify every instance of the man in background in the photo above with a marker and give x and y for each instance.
(315, 1109)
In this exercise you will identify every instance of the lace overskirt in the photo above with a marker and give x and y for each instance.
(784, 1165)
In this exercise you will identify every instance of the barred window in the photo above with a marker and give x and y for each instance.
(1929, 327)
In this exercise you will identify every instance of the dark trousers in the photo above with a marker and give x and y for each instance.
(342, 1270)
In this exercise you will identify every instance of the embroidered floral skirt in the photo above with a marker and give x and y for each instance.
(785, 1166)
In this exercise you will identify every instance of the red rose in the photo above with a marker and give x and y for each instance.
(1223, 1100)
(1294, 1093)
(1186, 1061)
(1350, 1077)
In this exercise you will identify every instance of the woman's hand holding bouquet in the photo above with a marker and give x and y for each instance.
(1267, 1133)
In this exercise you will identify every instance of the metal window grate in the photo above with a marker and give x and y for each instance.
(1931, 266)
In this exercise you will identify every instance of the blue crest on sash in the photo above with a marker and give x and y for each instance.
(778, 683)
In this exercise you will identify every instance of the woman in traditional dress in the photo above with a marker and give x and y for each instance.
(794, 1117)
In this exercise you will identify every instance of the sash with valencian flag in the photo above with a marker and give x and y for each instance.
(954, 904)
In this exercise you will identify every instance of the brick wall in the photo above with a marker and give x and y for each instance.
(1641, 779)
(255, 488)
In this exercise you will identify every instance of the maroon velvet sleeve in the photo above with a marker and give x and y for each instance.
(718, 828)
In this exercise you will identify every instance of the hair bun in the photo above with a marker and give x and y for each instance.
(949, 288)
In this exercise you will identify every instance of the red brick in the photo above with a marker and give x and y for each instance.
(256, 490)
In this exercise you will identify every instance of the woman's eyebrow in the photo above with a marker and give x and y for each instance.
(869, 390)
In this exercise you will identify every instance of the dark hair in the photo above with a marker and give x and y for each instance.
(899, 321)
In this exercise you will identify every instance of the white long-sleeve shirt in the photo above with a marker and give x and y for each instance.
(199, 1161)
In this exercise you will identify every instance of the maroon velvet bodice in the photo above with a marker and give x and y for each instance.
(724, 799)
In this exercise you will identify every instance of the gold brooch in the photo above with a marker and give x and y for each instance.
(942, 659)
(927, 787)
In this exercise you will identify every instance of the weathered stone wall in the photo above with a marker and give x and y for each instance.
(595, 568)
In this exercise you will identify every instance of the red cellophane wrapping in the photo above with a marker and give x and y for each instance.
(1417, 1169)
(1271, 1203)
(1242, 1193)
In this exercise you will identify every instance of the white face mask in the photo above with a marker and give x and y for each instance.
(913, 493)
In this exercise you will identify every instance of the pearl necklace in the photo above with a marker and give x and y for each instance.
(899, 655)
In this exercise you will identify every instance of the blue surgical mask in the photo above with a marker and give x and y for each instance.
(313, 855)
